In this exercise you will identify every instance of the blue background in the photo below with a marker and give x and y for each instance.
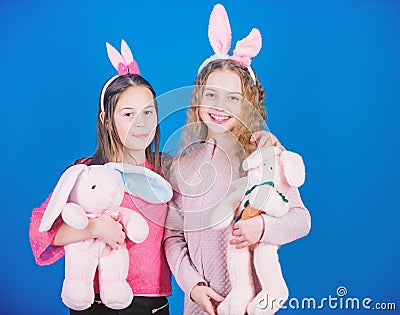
(331, 71)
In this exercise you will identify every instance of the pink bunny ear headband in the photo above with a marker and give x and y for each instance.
(123, 62)
(219, 34)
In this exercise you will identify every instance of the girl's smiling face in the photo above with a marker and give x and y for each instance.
(135, 119)
(221, 102)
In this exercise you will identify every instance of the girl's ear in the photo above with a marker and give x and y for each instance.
(101, 116)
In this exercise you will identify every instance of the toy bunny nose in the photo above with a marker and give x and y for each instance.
(113, 194)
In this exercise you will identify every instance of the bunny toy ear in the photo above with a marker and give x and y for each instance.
(60, 195)
(126, 52)
(248, 47)
(127, 55)
(114, 56)
(219, 30)
(294, 169)
(144, 183)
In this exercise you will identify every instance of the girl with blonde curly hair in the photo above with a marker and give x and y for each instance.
(225, 122)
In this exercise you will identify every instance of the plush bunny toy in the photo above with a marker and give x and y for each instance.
(271, 173)
(85, 192)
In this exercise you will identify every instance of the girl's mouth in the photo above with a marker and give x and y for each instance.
(219, 119)
(141, 135)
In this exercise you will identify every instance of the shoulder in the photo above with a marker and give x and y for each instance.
(85, 160)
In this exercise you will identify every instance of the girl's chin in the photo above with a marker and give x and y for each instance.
(219, 128)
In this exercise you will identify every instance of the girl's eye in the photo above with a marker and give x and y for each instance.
(148, 112)
(210, 94)
(234, 98)
(128, 114)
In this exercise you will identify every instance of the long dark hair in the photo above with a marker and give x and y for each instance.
(108, 142)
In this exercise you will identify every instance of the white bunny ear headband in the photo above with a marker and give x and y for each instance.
(219, 34)
(123, 62)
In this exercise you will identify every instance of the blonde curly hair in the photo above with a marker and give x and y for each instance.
(250, 120)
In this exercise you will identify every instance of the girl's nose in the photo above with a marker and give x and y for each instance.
(139, 121)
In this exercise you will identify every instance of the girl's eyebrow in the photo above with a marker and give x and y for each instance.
(239, 93)
(127, 107)
(135, 109)
(215, 90)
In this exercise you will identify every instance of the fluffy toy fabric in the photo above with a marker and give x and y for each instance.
(271, 172)
(84, 192)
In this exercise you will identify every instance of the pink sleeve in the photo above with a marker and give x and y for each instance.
(176, 247)
(43, 251)
(292, 226)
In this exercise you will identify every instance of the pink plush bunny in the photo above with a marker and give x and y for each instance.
(86, 192)
(271, 173)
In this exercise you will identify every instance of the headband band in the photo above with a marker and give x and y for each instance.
(122, 62)
(220, 37)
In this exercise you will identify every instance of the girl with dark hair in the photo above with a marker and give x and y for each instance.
(128, 132)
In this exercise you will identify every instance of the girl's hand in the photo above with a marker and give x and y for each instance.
(265, 138)
(247, 232)
(107, 229)
(202, 295)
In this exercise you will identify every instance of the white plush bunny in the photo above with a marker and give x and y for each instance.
(271, 173)
(85, 192)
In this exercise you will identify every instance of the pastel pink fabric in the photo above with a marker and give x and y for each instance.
(220, 37)
(197, 252)
(149, 274)
(219, 30)
(247, 48)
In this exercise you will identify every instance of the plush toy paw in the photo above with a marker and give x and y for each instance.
(235, 303)
(116, 295)
(266, 303)
(77, 295)
(75, 216)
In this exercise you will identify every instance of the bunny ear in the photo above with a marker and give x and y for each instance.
(249, 46)
(126, 53)
(114, 56)
(219, 30)
(293, 168)
(60, 196)
(144, 183)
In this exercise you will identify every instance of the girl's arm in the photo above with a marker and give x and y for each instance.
(178, 257)
(103, 227)
(290, 227)
(177, 252)
(44, 251)
(47, 247)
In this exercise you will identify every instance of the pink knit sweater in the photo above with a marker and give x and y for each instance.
(148, 274)
(196, 251)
